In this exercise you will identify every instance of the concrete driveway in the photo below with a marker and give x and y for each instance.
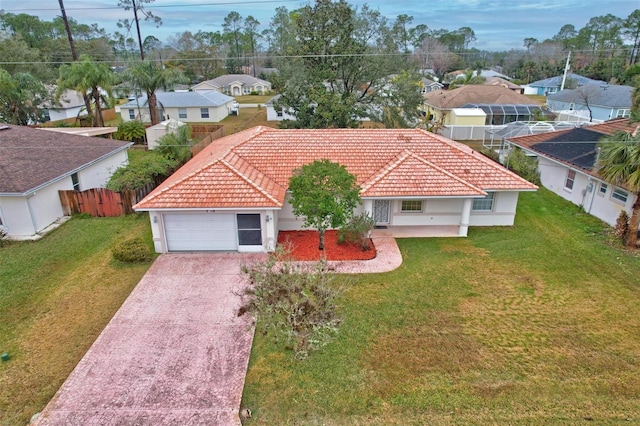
(174, 354)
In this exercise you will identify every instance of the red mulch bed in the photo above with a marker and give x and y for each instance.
(304, 246)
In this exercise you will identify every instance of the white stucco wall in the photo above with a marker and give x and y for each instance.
(216, 114)
(61, 114)
(25, 216)
(503, 213)
(97, 175)
(585, 192)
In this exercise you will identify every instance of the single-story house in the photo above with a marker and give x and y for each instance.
(551, 85)
(35, 164)
(566, 160)
(497, 81)
(234, 85)
(234, 195)
(205, 106)
(593, 102)
(277, 115)
(500, 104)
(430, 85)
(70, 105)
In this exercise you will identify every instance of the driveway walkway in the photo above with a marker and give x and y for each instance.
(175, 353)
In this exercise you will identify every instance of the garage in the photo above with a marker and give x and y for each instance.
(200, 231)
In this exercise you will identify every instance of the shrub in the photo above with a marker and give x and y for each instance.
(132, 250)
(176, 146)
(524, 166)
(622, 225)
(294, 304)
(132, 131)
(3, 237)
(141, 170)
(357, 230)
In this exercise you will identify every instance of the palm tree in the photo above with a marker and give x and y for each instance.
(148, 77)
(619, 163)
(87, 77)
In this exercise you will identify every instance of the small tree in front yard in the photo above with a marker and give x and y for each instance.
(325, 193)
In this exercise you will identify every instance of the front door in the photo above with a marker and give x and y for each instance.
(381, 211)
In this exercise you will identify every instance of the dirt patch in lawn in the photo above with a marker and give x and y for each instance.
(303, 245)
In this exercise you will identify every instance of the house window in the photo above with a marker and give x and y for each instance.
(603, 189)
(623, 113)
(75, 182)
(249, 231)
(182, 113)
(204, 112)
(620, 195)
(411, 206)
(571, 177)
(483, 204)
(280, 113)
(132, 114)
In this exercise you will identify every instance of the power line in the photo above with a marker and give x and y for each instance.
(225, 3)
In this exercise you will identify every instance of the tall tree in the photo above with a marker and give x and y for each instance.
(631, 29)
(619, 163)
(138, 9)
(149, 78)
(21, 98)
(252, 37)
(87, 76)
(232, 29)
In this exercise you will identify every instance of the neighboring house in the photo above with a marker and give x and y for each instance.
(191, 107)
(70, 105)
(161, 129)
(500, 104)
(35, 164)
(483, 73)
(554, 84)
(592, 102)
(235, 85)
(233, 195)
(497, 81)
(566, 161)
(277, 115)
(430, 85)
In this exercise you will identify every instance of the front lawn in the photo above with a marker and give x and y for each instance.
(537, 323)
(56, 296)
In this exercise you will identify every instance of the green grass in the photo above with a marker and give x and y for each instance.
(532, 324)
(253, 99)
(56, 296)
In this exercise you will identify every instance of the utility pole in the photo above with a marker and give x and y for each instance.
(135, 16)
(74, 54)
(566, 71)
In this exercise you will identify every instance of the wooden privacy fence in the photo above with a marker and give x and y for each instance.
(102, 202)
(208, 133)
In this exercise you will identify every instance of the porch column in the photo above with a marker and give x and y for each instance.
(464, 217)
(368, 206)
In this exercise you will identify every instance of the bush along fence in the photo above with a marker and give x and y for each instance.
(103, 202)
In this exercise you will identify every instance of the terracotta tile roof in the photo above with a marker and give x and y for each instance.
(31, 158)
(252, 168)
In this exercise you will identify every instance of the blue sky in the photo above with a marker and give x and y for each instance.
(498, 24)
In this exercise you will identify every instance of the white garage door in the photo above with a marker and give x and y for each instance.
(200, 231)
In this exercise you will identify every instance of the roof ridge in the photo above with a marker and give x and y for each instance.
(477, 155)
(386, 169)
(251, 182)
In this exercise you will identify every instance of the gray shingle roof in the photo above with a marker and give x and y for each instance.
(203, 98)
(557, 81)
(30, 158)
(245, 79)
(601, 95)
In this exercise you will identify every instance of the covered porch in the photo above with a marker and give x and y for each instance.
(416, 231)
